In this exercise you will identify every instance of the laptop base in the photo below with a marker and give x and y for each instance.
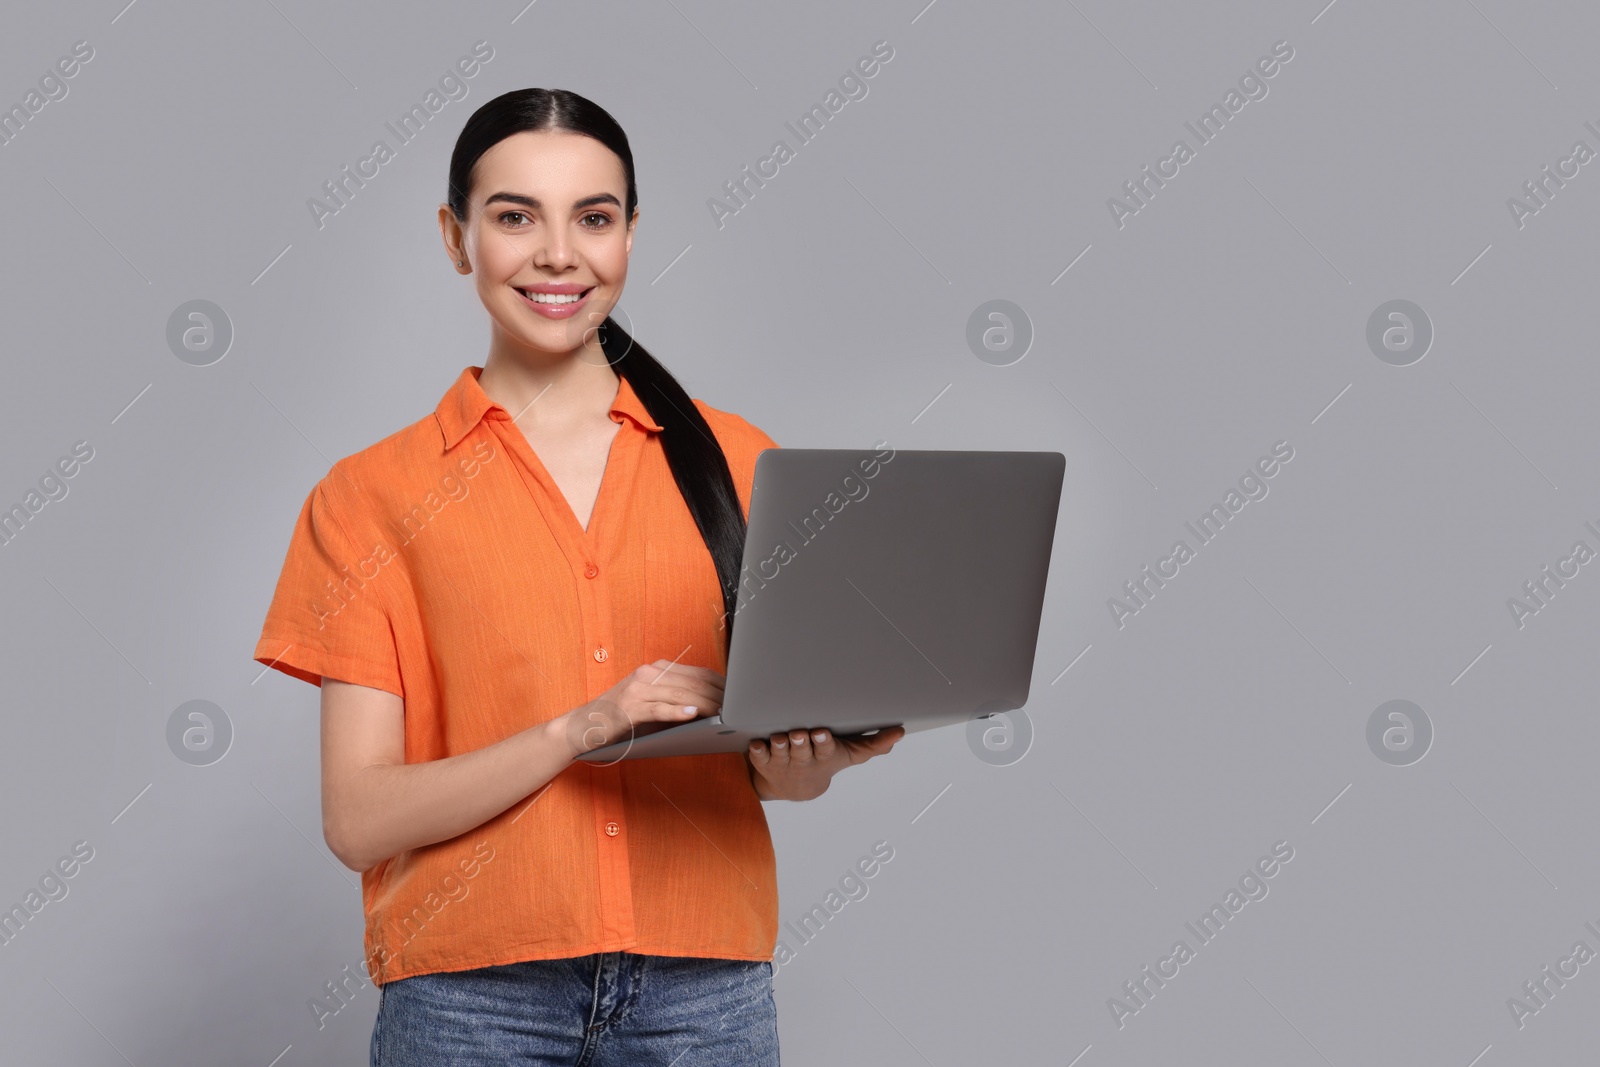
(712, 734)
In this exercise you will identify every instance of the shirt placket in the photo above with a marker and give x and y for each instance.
(605, 781)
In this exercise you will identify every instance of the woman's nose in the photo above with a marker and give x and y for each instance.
(555, 251)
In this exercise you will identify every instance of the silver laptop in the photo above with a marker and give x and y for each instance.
(878, 588)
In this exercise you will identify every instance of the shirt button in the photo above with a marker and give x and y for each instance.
(590, 571)
(600, 655)
(612, 829)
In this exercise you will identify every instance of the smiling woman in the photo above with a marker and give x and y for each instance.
(631, 913)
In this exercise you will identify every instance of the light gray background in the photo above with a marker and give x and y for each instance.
(1229, 314)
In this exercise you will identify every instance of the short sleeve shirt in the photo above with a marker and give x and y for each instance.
(443, 564)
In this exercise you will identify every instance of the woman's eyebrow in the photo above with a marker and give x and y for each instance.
(533, 203)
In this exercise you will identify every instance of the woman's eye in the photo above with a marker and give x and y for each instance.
(602, 216)
(507, 215)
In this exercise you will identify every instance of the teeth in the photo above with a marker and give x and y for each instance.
(552, 298)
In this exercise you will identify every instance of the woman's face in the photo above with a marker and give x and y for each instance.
(546, 239)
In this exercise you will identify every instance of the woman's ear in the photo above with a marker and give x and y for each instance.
(454, 244)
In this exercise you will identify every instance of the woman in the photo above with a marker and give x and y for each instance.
(546, 561)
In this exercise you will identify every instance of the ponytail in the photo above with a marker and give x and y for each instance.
(698, 464)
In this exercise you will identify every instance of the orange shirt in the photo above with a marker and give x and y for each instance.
(443, 564)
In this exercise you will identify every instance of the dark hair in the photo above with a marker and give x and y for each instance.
(693, 453)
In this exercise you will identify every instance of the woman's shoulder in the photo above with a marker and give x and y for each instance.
(742, 442)
(734, 431)
(401, 468)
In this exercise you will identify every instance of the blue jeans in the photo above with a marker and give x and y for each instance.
(613, 1009)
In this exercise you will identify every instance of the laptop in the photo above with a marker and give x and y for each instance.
(886, 587)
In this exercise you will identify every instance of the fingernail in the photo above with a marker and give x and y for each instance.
(780, 744)
(820, 736)
(690, 710)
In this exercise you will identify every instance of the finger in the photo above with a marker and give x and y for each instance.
(669, 701)
(780, 750)
(822, 744)
(685, 673)
(668, 704)
(878, 744)
(714, 677)
(707, 700)
(800, 746)
(888, 734)
(759, 754)
(884, 740)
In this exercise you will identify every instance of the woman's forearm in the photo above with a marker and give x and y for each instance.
(393, 807)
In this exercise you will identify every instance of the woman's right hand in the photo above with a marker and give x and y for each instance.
(660, 692)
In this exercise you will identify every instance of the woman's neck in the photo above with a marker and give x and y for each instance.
(571, 391)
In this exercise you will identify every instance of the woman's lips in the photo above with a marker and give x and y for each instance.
(557, 311)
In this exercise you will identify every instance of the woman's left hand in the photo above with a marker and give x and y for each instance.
(800, 764)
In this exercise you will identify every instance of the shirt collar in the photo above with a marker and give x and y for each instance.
(466, 404)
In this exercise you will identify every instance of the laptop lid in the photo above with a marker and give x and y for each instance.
(890, 586)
